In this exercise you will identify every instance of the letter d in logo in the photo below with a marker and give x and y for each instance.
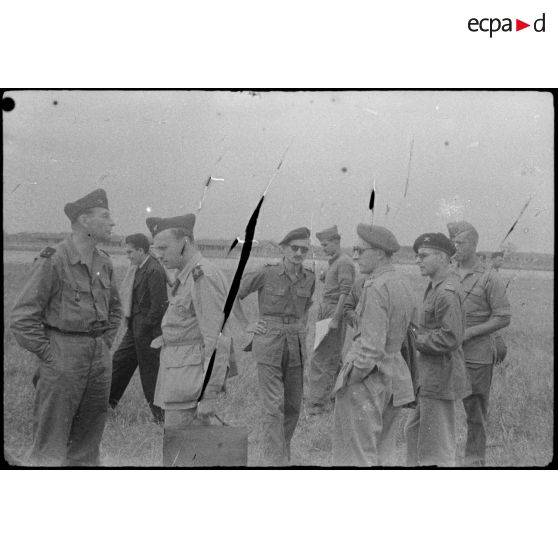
(541, 22)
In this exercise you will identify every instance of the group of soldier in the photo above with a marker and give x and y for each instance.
(396, 356)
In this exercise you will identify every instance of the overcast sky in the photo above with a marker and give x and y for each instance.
(476, 156)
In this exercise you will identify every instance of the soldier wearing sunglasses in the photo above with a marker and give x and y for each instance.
(285, 292)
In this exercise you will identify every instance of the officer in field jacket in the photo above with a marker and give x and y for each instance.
(285, 292)
(442, 381)
(191, 327)
(68, 314)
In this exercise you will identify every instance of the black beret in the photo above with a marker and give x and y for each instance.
(97, 198)
(158, 224)
(439, 241)
(302, 233)
(378, 237)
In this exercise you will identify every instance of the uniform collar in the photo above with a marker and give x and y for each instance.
(479, 267)
(334, 257)
(143, 263)
(74, 254)
(381, 270)
(284, 270)
(192, 262)
(440, 279)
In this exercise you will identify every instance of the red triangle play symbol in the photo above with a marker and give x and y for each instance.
(519, 25)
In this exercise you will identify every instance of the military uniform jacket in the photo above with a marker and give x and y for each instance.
(283, 305)
(442, 373)
(339, 279)
(191, 330)
(485, 297)
(384, 311)
(62, 292)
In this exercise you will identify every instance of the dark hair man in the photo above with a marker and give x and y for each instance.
(68, 314)
(144, 303)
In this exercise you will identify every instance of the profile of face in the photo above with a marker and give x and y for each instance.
(429, 261)
(169, 249)
(295, 252)
(135, 255)
(97, 223)
(497, 262)
(464, 247)
(329, 246)
(366, 257)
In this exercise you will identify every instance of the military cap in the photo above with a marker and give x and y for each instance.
(438, 241)
(97, 198)
(458, 227)
(496, 254)
(302, 233)
(328, 234)
(158, 224)
(378, 237)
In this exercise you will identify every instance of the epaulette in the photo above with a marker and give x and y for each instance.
(47, 252)
(197, 272)
(269, 264)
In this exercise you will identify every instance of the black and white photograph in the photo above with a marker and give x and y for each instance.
(278, 278)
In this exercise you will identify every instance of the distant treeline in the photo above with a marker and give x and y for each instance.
(267, 249)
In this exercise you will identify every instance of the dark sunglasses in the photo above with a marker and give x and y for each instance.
(302, 249)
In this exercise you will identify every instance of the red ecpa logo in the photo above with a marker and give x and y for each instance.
(492, 25)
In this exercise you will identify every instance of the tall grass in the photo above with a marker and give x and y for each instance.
(521, 412)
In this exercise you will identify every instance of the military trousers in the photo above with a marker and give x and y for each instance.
(325, 363)
(281, 399)
(476, 408)
(366, 423)
(134, 351)
(71, 401)
(430, 433)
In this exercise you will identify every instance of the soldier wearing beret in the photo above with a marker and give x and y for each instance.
(285, 292)
(374, 382)
(430, 429)
(68, 314)
(326, 359)
(191, 327)
(487, 310)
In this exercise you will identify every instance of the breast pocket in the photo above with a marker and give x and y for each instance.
(101, 293)
(76, 296)
(274, 299)
(303, 295)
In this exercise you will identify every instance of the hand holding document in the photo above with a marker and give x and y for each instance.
(322, 327)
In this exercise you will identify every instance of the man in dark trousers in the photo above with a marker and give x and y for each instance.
(144, 308)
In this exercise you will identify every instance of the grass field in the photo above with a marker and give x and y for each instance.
(521, 414)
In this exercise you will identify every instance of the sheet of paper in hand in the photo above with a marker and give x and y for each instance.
(321, 331)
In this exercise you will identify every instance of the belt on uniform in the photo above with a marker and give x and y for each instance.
(281, 319)
(90, 333)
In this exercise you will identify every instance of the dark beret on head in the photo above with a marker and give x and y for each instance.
(97, 198)
(378, 237)
(438, 241)
(159, 224)
(302, 233)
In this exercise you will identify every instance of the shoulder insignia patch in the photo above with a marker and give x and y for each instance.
(197, 272)
(47, 252)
